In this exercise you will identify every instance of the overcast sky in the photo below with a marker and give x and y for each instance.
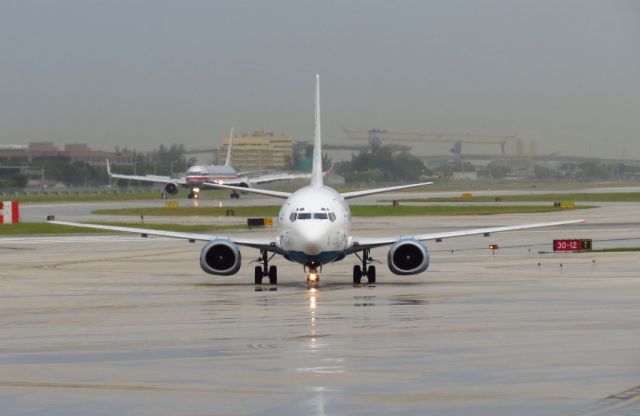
(145, 72)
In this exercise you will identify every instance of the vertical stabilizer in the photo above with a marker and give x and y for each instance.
(228, 161)
(316, 170)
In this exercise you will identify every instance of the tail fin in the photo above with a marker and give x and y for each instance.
(228, 161)
(108, 167)
(316, 170)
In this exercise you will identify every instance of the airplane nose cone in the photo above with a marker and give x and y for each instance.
(313, 239)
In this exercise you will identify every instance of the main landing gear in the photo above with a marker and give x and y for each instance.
(359, 271)
(234, 195)
(265, 270)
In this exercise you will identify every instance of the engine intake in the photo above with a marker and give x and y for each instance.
(171, 188)
(220, 257)
(408, 256)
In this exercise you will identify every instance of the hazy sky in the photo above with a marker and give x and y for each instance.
(141, 73)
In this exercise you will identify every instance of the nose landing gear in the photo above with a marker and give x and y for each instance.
(265, 270)
(312, 274)
(360, 271)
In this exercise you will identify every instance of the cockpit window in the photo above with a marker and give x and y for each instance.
(299, 215)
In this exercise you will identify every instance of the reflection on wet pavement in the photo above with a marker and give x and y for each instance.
(137, 329)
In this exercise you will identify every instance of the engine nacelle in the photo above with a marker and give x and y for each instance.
(171, 188)
(220, 257)
(408, 256)
(245, 185)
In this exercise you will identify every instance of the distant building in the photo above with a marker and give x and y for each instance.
(465, 176)
(261, 150)
(72, 153)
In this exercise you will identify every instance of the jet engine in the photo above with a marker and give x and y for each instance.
(408, 256)
(221, 257)
(171, 188)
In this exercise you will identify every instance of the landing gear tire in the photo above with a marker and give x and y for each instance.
(357, 275)
(234, 195)
(190, 195)
(371, 274)
(265, 270)
(258, 275)
(273, 275)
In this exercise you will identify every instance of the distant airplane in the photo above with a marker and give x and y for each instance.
(200, 177)
(314, 230)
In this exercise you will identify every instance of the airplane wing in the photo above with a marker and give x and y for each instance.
(276, 194)
(253, 172)
(259, 243)
(361, 243)
(269, 178)
(150, 178)
(146, 178)
(356, 194)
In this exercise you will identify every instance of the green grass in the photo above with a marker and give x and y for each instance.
(250, 211)
(574, 197)
(45, 228)
(100, 197)
(356, 210)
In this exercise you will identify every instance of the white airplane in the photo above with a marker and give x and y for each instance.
(314, 230)
(199, 177)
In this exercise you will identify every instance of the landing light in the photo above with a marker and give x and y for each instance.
(312, 277)
(196, 190)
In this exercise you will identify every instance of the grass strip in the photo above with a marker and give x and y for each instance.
(356, 210)
(46, 228)
(574, 197)
(103, 197)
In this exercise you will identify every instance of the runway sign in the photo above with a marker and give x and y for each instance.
(572, 245)
(260, 222)
(10, 212)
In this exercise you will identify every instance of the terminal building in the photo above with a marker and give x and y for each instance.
(260, 150)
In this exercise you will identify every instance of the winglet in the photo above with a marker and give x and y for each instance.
(316, 170)
(108, 167)
(228, 161)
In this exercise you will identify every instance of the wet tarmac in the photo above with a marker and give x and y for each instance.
(107, 325)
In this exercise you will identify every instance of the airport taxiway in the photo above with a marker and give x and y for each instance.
(107, 325)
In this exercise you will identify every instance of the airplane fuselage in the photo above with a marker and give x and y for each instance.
(314, 226)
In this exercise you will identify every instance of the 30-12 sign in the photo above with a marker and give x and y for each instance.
(572, 245)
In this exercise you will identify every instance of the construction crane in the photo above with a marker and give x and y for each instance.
(522, 145)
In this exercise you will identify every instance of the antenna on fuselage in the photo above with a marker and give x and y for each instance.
(228, 161)
(316, 170)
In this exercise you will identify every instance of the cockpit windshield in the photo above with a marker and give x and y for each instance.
(308, 215)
